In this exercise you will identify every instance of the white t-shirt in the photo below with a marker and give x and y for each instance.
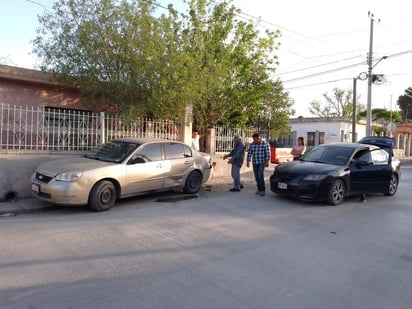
(195, 143)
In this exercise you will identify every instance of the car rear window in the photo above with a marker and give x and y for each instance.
(174, 151)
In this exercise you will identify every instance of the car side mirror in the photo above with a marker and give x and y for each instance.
(362, 163)
(136, 160)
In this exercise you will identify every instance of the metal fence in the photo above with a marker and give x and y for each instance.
(55, 129)
(225, 135)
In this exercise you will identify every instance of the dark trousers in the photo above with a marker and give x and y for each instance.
(258, 170)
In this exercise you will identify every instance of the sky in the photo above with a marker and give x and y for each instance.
(324, 43)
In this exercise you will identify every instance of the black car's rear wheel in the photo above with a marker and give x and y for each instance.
(336, 193)
(193, 182)
(393, 185)
(103, 196)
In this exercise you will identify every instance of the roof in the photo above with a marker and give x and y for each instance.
(27, 75)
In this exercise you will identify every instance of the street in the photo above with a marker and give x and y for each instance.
(218, 250)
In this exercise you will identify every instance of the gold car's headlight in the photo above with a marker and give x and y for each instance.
(317, 177)
(69, 176)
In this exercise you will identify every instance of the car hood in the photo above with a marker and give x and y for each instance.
(78, 164)
(302, 167)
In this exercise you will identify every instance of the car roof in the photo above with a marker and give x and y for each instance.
(350, 145)
(143, 140)
(381, 141)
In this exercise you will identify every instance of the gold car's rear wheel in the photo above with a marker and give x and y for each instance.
(193, 182)
(103, 196)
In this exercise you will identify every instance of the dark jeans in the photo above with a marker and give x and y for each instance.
(258, 170)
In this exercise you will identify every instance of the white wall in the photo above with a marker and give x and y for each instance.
(332, 128)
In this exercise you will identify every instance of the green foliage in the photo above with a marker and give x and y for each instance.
(126, 57)
(383, 116)
(405, 104)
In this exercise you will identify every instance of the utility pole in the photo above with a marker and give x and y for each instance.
(354, 112)
(391, 129)
(362, 76)
(370, 57)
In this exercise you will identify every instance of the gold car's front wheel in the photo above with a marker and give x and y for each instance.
(102, 196)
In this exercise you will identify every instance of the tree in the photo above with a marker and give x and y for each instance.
(274, 112)
(125, 57)
(231, 62)
(339, 104)
(383, 116)
(112, 51)
(405, 104)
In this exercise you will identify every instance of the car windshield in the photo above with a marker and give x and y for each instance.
(113, 151)
(329, 155)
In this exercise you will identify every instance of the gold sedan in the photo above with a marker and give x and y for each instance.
(121, 168)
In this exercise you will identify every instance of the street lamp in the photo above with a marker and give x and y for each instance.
(370, 77)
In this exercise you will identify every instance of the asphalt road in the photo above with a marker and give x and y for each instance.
(217, 250)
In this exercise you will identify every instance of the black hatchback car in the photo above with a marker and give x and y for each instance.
(330, 172)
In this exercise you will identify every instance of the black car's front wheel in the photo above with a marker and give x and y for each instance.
(393, 185)
(336, 193)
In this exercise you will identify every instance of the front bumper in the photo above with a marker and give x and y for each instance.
(303, 190)
(60, 192)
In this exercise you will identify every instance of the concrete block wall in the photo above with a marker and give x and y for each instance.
(16, 172)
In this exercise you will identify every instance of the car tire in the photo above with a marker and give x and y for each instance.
(103, 196)
(393, 185)
(193, 182)
(336, 193)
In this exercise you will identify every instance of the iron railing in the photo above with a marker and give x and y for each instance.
(225, 135)
(55, 129)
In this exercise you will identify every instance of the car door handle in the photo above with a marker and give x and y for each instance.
(159, 165)
(187, 163)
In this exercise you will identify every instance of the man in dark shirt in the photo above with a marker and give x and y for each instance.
(236, 156)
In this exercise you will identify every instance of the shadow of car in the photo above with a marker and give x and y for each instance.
(121, 168)
(331, 172)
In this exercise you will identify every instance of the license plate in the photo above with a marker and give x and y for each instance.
(35, 187)
(282, 185)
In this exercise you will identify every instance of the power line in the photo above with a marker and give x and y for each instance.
(324, 72)
(320, 83)
(400, 54)
(337, 69)
(319, 65)
(39, 4)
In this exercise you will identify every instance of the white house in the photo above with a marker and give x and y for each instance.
(323, 130)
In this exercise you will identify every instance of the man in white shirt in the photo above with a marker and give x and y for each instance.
(195, 140)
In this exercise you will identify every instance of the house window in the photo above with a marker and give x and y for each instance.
(321, 137)
(311, 140)
(66, 129)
